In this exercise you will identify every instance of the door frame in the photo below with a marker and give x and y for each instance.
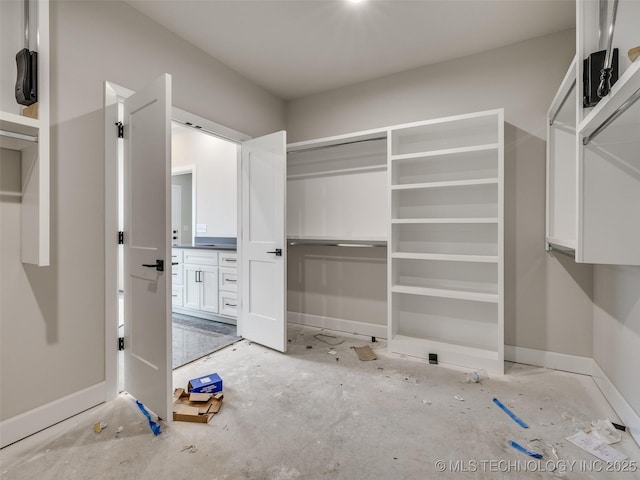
(114, 94)
(186, 170)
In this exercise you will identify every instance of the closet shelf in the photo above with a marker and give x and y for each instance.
(446, 293)
(397, 221)
(447, 151)
(448, 184)
(446, 257)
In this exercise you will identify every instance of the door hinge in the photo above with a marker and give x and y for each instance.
(120, 343)
(120, 238)
(120, 126)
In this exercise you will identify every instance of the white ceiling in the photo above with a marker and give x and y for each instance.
(299, 47)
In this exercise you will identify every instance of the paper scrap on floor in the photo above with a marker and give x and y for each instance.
(597, 447)
(365, 353)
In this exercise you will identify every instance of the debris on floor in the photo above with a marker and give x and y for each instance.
(520, 448)
(195, 407)
(365, 353)
(597, 447)
(477, 377)
(605, 431)
(510, 413)
(189, 448)
(328, 339)
(211, 383)
(332, 352)
(459, 398)
(155, 428)
(99, 426)
(309, 347)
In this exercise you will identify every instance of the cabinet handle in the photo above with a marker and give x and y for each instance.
(230, 280)
(175, 263)
(174, 295)
(174, 274)
(230, 305)
(229, 260)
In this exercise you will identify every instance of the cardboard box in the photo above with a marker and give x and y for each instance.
(195, 407)
(208, 384)
(31, 111)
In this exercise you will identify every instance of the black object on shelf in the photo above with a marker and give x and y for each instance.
(591, 76)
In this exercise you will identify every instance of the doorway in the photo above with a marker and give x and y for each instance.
(145, 140)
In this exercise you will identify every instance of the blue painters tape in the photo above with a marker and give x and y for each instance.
(510, 413)
(155, 428)
(520, 448)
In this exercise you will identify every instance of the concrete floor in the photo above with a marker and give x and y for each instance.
(313, 415)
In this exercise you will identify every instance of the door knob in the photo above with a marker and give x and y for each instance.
(277, 251)
(159, 265)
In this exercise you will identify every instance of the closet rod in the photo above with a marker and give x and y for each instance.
(557, 110)
(611, 118)
(322, 147)
(320, 243)
(19, 136)
(562, 251)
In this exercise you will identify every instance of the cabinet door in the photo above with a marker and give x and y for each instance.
(192, 286)
(209, 289)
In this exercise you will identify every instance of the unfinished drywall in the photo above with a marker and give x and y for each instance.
(616, 328)
(53, 317)
(548, 300)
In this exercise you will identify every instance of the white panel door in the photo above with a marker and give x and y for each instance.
(263, 241)
(147, 249)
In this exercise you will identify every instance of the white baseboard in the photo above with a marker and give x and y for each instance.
(338, 324)
(25, 424)
(628, 416)
(553, 360)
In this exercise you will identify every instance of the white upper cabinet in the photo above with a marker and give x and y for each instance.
(593, 168)
(28, 135)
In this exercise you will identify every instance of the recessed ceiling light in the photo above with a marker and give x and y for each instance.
(356, 1)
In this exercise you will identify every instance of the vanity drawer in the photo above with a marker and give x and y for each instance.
(177, 296)
(228, 279)
(228, 259)
(201, 257)
(177, 274)
(176, 255)
(228, 304)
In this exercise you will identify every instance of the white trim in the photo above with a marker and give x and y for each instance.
(338, 324)
(554, 360)
(622, 408)
(25, 424)
(190, 170)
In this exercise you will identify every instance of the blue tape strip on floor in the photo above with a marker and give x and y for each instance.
(519, 447)
(155, 428)
(510, 413)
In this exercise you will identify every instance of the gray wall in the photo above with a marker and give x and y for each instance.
(53, 317)
(548, 299)
(616, 331)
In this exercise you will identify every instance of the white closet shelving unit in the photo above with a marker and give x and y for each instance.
(28, 135)
(336, 208)
(446, 254)
(562, 165)
(593, 168)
